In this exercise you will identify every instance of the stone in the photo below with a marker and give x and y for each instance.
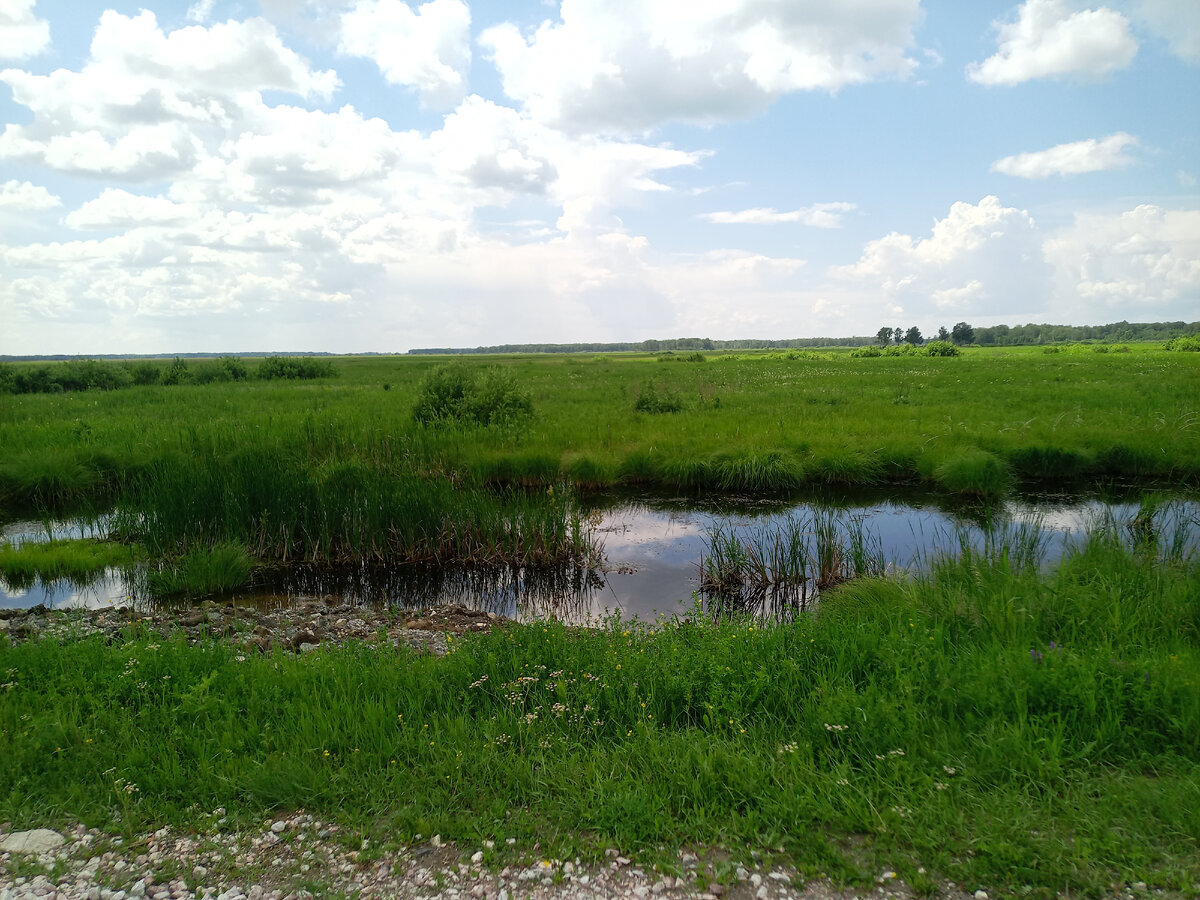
(981, 895)
(477, 857)
(278, 826)
(39, 840)
(761, 893)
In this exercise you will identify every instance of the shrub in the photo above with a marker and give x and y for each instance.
(869, 351)
(941, 348)
(455, 392)
(1189, 342)
(227, 368)
(177, 372)
(292, 367)
(653, 399)
(144, 373)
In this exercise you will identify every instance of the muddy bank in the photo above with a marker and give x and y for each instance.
(302, 627)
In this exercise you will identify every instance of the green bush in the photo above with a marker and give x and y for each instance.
(177, 372)
(1189, 342)
(294, 368)
(941, 348)
(144, 373)
(455, 392)
(653, 399)
(227, 368)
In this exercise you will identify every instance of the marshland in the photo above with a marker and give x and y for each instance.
(1008, 712)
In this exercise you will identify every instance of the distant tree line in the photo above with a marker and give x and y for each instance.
(103, 375)
(656, 346)
(962, 334)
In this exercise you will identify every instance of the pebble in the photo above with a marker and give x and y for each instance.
(94, 866)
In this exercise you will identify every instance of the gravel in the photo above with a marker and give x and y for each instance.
(306, 858)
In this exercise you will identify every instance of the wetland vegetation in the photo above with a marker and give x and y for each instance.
(1015, 728)
(1015, 724)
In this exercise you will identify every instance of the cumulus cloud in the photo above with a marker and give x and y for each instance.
(630, 66)
(1093, 155)
(1148, 257)
(21, 195)
(1177, 23)
(428, 49)
(819, 215)
(22, 34)
(1048, 39)
(115, 209)
(200, 11)
(978, 256)
(146, 101)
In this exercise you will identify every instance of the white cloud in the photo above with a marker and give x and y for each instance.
(1091, 155)
(819, 215)
(200, 11)
(1177, 22)
(632, 65)
(1048, 39)
(21, 195)
(428, 49)
(979, 257)
(1142, 262)
(22, 34)
(145, 103)
(117, 209)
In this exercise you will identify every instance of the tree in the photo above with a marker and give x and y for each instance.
(962, 333)
(913, 336)
(898, 334)
(884, 336)
(943, 334)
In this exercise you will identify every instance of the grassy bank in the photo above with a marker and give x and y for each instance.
(1019, 731)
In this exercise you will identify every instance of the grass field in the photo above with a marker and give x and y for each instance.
(969, 424)
(1021, 730)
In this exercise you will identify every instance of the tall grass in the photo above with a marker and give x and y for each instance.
(974, 424)
(781, 569)
(1013, 728)
(281, 507)
(200, 572)
(78, 560)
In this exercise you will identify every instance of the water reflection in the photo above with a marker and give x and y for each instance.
(652, 547)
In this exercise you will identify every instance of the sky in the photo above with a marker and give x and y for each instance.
(375, 175)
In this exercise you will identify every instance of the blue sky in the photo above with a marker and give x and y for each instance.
(371, 175)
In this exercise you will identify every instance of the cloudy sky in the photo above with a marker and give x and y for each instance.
(375, 175)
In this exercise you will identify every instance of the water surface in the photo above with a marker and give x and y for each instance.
(653, 546)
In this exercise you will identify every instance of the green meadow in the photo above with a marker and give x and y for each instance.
(977, 423)
(1023, 728)
(1028, 731)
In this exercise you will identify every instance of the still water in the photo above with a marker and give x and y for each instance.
(652, 546)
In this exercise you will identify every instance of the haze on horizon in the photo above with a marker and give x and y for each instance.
(374, 175)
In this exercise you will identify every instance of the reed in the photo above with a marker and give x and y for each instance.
(79, 560)
(782, 569)
(281, 508)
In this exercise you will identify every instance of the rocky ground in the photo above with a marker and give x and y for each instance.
(303, 626)
(299, 857)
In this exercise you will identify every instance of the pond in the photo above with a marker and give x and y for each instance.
(653, 547)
